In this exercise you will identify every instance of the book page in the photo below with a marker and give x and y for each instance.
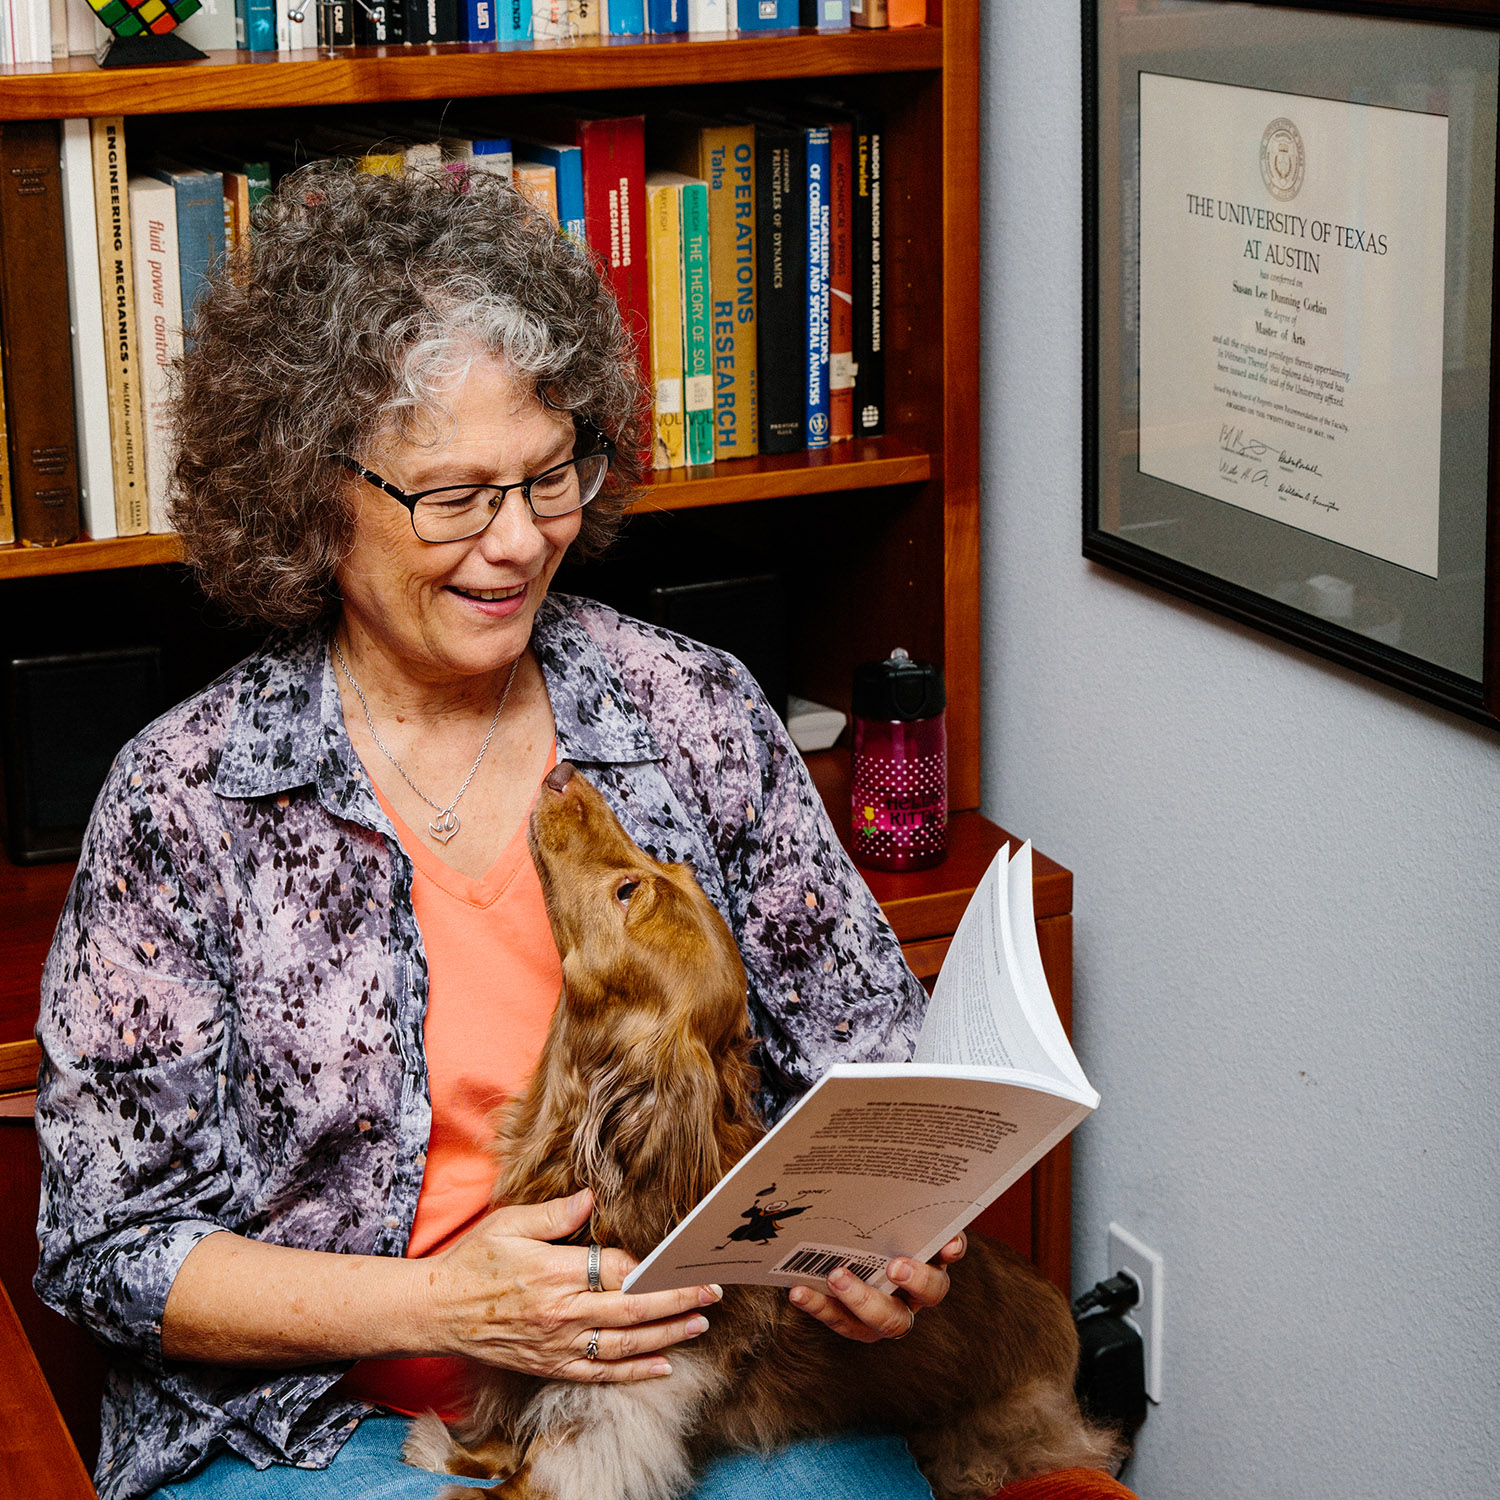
(977, 1014)
(877, 1160)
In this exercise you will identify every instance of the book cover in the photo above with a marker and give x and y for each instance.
(781, 286)
(841, 283)
(336, 24)
(697, 357)
(122, 352)
(538, 185)
(869, 297)
(513, 21)
(885, 1159)
(825, 15)
(709, 15)
(153, 232)
(550, 20)
(627, 17)
(584, 18)
(96, 478)
(431, 21)
(665, 16)
(766, 15)
(395, 21)
(566, 162)
(34, 331)
(200, 227)
(255, 25)
(372, 24)
(211, 29)
(723, 155)
(819, 214)
(664, 260)
(869, 13)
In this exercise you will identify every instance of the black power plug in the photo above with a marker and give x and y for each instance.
(1111, 1382)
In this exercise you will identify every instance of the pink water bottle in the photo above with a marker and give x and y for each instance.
(900, 787)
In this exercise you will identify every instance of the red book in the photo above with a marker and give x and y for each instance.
(841, 285)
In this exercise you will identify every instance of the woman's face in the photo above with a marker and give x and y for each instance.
(440, 612)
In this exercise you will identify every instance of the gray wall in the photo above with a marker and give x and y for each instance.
(1287, 926)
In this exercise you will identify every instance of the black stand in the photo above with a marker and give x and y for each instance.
(147, 50)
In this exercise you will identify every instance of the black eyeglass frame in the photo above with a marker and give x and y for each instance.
(603, 447)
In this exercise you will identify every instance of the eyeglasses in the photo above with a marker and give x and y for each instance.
(457, 512)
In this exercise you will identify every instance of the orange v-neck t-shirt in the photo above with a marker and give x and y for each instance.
(494, 977)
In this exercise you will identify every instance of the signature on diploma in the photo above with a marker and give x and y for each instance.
(1234, 440)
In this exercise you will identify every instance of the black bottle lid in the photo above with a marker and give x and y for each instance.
(898, 688)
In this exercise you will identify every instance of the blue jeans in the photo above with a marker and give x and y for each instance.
(862, 1466)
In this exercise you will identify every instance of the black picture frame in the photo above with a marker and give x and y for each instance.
(1440, 639)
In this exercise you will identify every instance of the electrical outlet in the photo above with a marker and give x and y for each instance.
(1143, 1266)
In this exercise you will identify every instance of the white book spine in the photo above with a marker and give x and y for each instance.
(283, 27)
(158, 300)
(41, 30)
(59, 11)
(96, 473)
(86, 32)
(708, 15)
(211, 29)
(549, 20)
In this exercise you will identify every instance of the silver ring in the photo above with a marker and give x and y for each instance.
(596, 1255)
(911, 1314)
(592, 1352)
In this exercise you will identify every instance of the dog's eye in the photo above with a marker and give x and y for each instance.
(626, 889)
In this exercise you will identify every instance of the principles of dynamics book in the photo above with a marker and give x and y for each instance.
(886, 1159)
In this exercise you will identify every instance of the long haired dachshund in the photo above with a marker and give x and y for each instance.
(645, 1094)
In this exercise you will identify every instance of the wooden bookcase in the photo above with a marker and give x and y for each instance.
(880, 537)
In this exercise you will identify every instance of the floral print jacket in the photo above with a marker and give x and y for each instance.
(232, 1008)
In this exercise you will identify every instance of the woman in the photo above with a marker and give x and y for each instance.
(305, 954)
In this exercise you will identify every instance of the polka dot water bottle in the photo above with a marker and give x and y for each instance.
(900, 789)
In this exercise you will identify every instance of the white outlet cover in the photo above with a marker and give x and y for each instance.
(1128, 1254)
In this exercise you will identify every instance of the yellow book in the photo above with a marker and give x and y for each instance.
(391, 163)
(583, 18)
(538, 184)
(664, 269)
(127, 417)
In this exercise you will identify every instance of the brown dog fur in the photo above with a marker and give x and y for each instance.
(645, 1094)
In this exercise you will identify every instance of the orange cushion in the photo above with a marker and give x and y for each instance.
(1067, 1484)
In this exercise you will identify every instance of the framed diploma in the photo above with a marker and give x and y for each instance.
(1289, 257)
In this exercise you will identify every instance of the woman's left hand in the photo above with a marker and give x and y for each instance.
(855, 1309)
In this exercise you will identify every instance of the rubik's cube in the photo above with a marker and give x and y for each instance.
(134, 17)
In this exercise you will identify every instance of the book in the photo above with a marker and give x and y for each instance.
(513, 21)
(584, 18)
(869, 267)
(395, 21)
(35, 336)
(819, 143)
(212, 28)
(255, 25)
(127, 432)
(549, 20)
(697, 357)
(627, 17)
(664, 261)
(200, 227)
(709, 15)
(246, 183)
(372, 26)
(781, 286)
(885, 1159)
(666, 16)
(566, 163)
(841, 283)
(537, 184)
(96, 478)
(153, 232)
(723, 155)
(483, 151)
(825, 15)
(766, 15)
(869, 13)
(336, 24)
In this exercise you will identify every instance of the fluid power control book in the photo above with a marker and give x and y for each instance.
(884, 1159)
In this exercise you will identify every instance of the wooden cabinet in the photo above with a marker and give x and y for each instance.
(879, 537)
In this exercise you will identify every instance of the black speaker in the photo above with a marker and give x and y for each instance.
(65, 719)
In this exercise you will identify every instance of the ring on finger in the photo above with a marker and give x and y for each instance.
(592, 1352)
(596, 1258)
(911, 1322)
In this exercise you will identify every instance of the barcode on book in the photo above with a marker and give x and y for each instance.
(823, 1260)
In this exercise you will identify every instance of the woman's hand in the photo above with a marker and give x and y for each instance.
(855, 1309)
(505, 1296)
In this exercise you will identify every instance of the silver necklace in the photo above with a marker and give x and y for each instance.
(446, 824)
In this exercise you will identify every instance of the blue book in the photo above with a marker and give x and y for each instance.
(627, 17)
(255, 25)
(825, 15)
(666, 16)
(765, 15)
(819, 224)
(567, 162)
(513, 23)
(200, 227)
(478, 19)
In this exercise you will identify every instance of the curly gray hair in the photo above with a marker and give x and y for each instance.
(361, 298)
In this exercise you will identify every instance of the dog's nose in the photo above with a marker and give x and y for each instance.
(559, 776)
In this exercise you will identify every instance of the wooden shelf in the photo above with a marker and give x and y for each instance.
(370, 75)
(871, 463)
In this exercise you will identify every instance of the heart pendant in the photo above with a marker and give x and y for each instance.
(444, 826)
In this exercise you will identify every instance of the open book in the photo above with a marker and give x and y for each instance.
(885, 1159)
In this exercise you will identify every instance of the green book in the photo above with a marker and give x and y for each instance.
(697, 318)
